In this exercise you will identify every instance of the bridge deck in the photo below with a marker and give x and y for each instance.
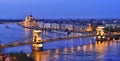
(47, 40)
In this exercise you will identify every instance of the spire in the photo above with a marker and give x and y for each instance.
(31, 15)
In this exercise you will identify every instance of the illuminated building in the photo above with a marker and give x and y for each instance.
(89, 28)
(30, 21)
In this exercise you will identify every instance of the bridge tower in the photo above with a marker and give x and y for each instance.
(37, 40)
(30, 21)
(100, 33)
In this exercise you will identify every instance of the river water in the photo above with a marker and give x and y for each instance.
(80, 49)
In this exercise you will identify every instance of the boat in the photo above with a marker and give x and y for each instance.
(7, 26)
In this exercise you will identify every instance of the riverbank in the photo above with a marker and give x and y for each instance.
(15, 56)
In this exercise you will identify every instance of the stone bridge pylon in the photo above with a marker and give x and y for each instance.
(37, 40)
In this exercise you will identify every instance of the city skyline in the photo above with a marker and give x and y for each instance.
(50, 9)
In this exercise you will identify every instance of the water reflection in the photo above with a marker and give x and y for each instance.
(27, 31)
(100, 51)
(78, 48)
(39, 56)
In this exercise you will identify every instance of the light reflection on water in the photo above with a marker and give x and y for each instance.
(27, 31)
(101, 51)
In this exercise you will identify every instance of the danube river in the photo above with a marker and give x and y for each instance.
(80, 49)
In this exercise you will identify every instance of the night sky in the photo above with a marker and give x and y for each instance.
(50, 9)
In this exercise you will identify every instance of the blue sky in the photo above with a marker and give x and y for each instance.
(45, 9)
